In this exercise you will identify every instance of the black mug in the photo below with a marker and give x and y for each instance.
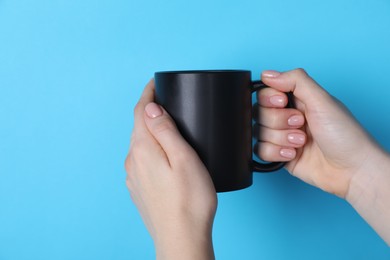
(213, 111)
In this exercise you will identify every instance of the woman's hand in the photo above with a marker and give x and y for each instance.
(169, 184)
(333, 152)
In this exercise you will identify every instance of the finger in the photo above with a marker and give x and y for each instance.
(297, 81)
(139, 110)
(269, 97)
(164, 130)
(274, 153)
(288, 138)
(278, 118)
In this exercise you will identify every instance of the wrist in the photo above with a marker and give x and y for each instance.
(366, 180)
(185, 241)
(369, 193)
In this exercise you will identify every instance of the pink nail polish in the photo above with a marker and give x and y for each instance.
(278, 101)
(153, 110)
(296, 138)
(296, 120)
(270, 74)
(288, 153)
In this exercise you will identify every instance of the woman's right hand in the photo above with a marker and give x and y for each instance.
(339, 156)
(337, 147)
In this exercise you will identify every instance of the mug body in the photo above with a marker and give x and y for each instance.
(212, 110)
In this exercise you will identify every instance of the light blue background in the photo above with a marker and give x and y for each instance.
(71, 72)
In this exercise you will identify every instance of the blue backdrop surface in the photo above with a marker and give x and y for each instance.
(71, 72)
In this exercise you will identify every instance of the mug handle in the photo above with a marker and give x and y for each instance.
(273, 166)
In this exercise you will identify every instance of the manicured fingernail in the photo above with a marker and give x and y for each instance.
(277, 101)
(296, 120)
(295, 138)
(288, 153)
(270, 74)
(153, 110)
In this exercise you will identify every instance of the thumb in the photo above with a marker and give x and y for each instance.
(164, 130)
(297, 81)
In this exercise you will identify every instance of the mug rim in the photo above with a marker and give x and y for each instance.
(217, 71)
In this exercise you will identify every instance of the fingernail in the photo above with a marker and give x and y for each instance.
(295, 138)
(288, 153)
(297, 120)
(277, 101)
(153, 110)
(270, 74)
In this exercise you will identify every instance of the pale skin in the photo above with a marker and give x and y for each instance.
(321, 141)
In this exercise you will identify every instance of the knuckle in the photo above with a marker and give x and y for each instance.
(163, 126)
(128, 163)
(301, 72)
(275, 118)
(130, 173)
(138, 108)
(133, 138)
(128, 183)
(269, 135)
(136, 149)
(138, 152)
(264, 151)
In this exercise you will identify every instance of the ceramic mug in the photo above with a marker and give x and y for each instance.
(213, 111)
